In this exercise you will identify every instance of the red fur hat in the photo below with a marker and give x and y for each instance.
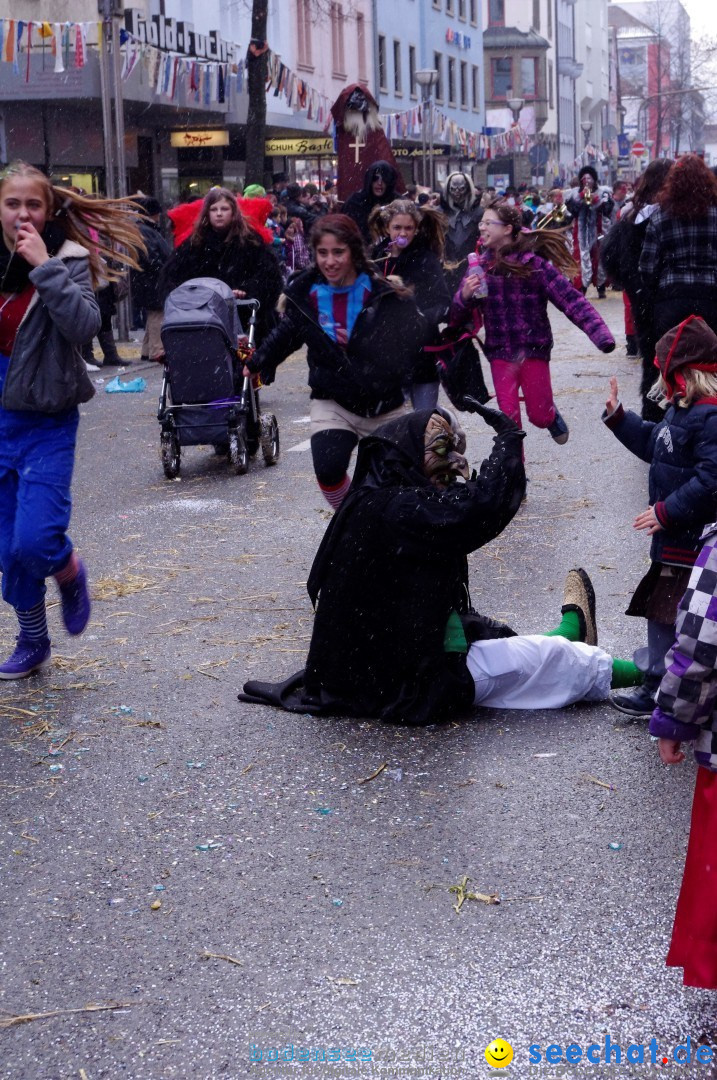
(254, 211)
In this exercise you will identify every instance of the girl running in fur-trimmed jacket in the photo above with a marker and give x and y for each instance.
(523, 270)
(48, 265)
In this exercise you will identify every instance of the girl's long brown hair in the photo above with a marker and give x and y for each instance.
(549, 244)
(430, 223)
(118, 238)
(347, 232)
(238, 228)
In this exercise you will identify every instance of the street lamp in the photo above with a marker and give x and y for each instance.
(515, 104)
(587, 127)
(427, 79)
(649, 143)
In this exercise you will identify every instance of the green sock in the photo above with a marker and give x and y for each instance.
(625, 673)
(569, 627)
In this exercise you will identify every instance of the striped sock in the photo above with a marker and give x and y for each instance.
(336, 493)
(33, 623)
(68, 572)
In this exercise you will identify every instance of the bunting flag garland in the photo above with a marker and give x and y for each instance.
(174, 75)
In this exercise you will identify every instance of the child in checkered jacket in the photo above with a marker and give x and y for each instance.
(682, 452)
(687, 712)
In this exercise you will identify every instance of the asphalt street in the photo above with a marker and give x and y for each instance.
(227, 881)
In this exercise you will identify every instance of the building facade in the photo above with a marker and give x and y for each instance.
(444, 36)
(184, 99)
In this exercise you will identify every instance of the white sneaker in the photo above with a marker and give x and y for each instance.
(92, 367)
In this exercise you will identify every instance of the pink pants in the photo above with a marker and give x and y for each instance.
(532, 376)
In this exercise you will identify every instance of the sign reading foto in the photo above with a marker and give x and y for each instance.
(199, 138)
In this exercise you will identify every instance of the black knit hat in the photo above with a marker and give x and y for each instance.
(588, 170)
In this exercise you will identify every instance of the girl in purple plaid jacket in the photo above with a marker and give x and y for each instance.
(524, 270)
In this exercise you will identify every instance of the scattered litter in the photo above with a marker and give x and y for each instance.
(115, 900)
(11, 1020)
(373, 775)
(107, 588)
(615, 846)
(323, 810)
(337, 903)
(159, 888)
(210, 845)
(155, 905)
(206, 955)
(142, 779)
(56, 768)
(247, 769)
(462, 894)
(341, 980)
(395, 774)
(600, 783)
(545, 755)
(196, 764)
(134, 386)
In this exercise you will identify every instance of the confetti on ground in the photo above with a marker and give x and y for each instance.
(206, 955)
(373, 775)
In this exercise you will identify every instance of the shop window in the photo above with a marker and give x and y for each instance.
(397, 82)
(464, 84)
(382, 72)
(501, 77)
(496, 12)
(438, 65)
(303, 22)
(451, 81)
(337, 40)
(529, 76)
(412, 70)
(475, 87)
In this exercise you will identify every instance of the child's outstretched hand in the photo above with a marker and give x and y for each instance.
(647, 520)
(670, 753)
(612, 402)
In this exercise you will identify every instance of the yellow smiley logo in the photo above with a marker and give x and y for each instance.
(499, 1053)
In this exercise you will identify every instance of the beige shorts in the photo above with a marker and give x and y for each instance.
(330, 416)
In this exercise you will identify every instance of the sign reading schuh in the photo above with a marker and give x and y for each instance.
(298, 147)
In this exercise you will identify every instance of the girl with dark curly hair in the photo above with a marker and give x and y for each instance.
(523, 271)
(678, 263)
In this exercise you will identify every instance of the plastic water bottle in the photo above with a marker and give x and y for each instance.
(475, 269)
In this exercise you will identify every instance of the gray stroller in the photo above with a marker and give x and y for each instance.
(205, 398)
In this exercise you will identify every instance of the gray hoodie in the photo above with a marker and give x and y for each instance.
(46, 373)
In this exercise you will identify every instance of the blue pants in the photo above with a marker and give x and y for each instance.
(37, 453)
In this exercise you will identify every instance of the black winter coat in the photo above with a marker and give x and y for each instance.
(145, 282)
(418, 267)
(682, 452)
(368, 376)
(250, 266)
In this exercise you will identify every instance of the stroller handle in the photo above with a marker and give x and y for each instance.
(254, 305)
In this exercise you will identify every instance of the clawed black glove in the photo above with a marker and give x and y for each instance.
(608, 348)
(494, 417)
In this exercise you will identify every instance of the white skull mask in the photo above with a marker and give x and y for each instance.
(458, 189)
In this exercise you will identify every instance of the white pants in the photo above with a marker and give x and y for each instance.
(536, 672)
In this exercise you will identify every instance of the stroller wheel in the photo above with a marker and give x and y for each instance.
(170, 454)
(238, 453)
(269, 438)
